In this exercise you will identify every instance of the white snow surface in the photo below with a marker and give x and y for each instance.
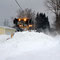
(29, 46)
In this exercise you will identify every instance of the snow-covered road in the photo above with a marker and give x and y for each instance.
(30, 46)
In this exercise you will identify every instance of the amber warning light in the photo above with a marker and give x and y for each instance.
(19, 19)
(20, 25)
(30, 25)
(25, 19)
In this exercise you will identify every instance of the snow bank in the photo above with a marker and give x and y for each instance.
(30, 46)
(3, 38)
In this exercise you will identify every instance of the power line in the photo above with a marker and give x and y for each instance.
(18, 4)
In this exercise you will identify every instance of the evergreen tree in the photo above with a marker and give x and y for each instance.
(42, 21)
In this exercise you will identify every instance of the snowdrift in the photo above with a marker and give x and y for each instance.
(30, 46)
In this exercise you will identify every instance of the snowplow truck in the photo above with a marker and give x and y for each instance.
(22, 24)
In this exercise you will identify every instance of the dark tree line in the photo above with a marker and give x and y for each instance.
(42, 22)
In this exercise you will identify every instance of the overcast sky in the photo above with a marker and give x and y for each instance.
(8, 8)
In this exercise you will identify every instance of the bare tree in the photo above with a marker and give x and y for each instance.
(26, 13)
(6, 23)
(54, 6)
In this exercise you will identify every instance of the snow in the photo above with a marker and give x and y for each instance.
(30, 46)
(3, 38)
(6, 27)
